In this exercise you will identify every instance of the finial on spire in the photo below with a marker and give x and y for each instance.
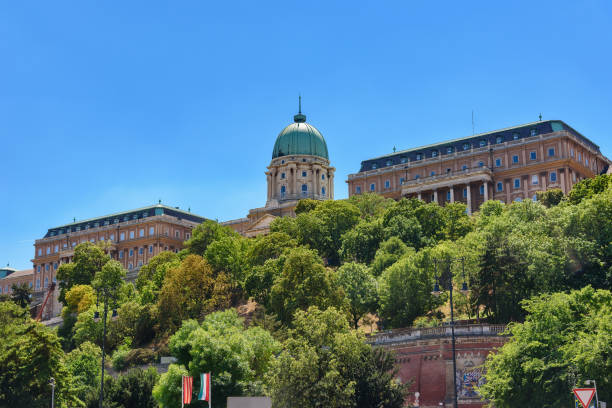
(540, 116)
(393, 149)
(299, 118)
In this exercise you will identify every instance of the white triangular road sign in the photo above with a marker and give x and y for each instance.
(584, 395)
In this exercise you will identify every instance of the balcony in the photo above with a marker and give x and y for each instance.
(447, 179)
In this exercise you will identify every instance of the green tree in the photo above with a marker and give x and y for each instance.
(550, 198)
(259, 282)
(78, 299)
(30, 354)
(323, 227)
(167, 391)
(588, 187)
(84, 365)
(190, 291)
(238, 358)
(371, 205)
(360, 243)
(133, 389)
(269, 246)
(287, 225)
(389, 252)
(205, 234)
(306, 205)
(21, 294)
(304, 282)
(565, 339)
(154, 271)
(228, 255)
(360, 289)
(326, 364)
(458, 223)
(88, 259)
(405, 291)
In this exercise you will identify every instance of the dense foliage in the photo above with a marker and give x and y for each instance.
(319, 280)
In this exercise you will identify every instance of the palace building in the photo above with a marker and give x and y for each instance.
(300, 168)
(130, 237)
(510, 164)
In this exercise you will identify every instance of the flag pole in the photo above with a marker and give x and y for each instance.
(209, 389)
(183, 391)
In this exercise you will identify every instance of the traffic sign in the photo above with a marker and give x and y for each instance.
(584, 395)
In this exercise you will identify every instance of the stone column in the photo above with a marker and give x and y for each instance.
(507, 187)
(525, 182)
(436, 196)
(330, 177)
(269, 180)
(486, 190)
(543, 178)
(563, 180)
(452, 194)
(419, 195)
(469, 199)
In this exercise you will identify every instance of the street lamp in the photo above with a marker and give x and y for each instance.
(436, 292)
(107, 294)
(52, 383)
(588, 382)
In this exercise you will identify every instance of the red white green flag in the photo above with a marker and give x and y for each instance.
(205, 392)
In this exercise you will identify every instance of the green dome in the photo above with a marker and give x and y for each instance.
(300, 138)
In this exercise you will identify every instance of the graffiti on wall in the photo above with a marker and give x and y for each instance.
(468, 380)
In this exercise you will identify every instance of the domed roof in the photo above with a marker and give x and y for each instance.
(300, 138)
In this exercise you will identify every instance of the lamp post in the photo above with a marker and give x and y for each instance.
(588, 382)
(52, 383)
(436, 292)
(105, 293)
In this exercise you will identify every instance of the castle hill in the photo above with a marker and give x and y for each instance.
(306, 205)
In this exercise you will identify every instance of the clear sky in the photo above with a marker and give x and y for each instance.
(108, 106)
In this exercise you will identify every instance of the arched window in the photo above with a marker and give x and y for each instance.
(304, 189)
(322, 191)
(283, 190)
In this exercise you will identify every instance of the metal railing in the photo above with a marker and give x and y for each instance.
(412, 333)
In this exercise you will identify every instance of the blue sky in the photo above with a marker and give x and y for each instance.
(109, 106)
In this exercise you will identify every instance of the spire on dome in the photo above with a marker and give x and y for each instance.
(299, 118)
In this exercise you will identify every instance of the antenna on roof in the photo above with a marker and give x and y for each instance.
(540, 116)
(472, 122)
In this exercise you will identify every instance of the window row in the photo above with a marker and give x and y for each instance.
(552, 177)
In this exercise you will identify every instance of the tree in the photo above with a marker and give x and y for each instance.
(326, 364)
(306, 205)
(167, 392)
(360, 289)
(405, 291)
(588, 187)
(550, 198)
(323, 227)
(29, 355)
(389, 252)
(88, 259)
(458, 223)
(133, 389)
(190, 291)
(78, 299)
(155, 270)
(228, 255)
(565, 339)
(259, 282)
(287, 225)
(238, 358)
(360, 243)
(84, 365)
(21, 294)
(206, 233)
(304, 282)
(371, 205)
(269, 246)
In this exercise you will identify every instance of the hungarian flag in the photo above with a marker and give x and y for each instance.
(187, 389)
(204, 394)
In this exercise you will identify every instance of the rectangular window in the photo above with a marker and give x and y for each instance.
(387, 184)
(48, 250)
(39, 251)
(579, 156)
(572, 152)
(586, 161)
(131, 234)
(372, 187)
(141, 232)
(551, 152)
(515, 159)
(120, 254)
(56, 248)
(433, 173)
(358, 190)
(553, 176)
(534, 179)
(177, 234)
(480, 164)
(481, 190)
(187, 235)
(139, 263)
(122, 236)
(401, 180)
(131, 253)
(92, 240)
(150, 249)
(500, 186)
(517, 183)
(497, 162)
(533, 155)
(37, 283)
(448, 193)
(130, 266)
(47, 267)
(74, 244)
(151, 230)
(140, 251)
(38, 268)
(464, 192)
